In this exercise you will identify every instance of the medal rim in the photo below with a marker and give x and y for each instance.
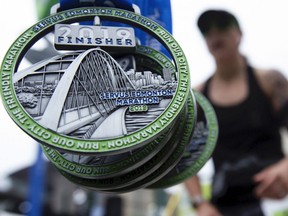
(102, 144)
(205, 155)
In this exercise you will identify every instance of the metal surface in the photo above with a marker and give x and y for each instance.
(137, 174)
(75, 37)
(199, 149)
(57, 96)
(113, 165)
(173, 159)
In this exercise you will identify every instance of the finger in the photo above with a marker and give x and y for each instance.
(274, 194)
(265, 186)
(262, 175)
(274, 190)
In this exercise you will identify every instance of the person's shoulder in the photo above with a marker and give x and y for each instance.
(270, 79)
(199, 87)
(268, 73)
(275, 86)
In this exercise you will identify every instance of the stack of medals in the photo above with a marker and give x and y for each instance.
(110, 114)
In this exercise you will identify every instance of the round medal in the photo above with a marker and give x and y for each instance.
(86, 91)
(85, 166)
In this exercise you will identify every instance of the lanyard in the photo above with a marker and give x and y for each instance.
(123, 4)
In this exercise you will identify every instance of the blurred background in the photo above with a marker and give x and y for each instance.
(265, 43)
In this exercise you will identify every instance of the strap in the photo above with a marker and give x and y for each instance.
(123, 4)
(160, 12)
(157, 10)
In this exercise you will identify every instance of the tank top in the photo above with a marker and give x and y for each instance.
(248, 141)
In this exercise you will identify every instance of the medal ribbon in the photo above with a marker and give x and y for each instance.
(123, 4)
(160, 12)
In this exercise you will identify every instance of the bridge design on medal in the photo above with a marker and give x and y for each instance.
(63, 94)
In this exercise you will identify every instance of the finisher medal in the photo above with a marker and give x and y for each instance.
(83, 90)
(110, 114)
(112, 165)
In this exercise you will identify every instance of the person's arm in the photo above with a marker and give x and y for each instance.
(275, 85)
(280, 97)
(272, 182)
(203, 207)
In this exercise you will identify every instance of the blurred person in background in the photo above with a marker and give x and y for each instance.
(251, 106)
